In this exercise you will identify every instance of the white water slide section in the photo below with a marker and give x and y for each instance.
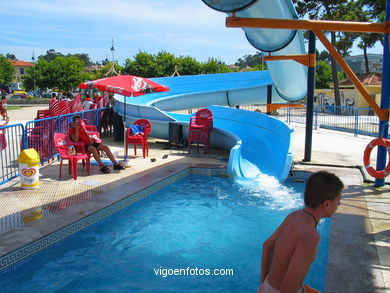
(289, 77)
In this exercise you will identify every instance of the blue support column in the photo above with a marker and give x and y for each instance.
(383, 125)
(311, 82)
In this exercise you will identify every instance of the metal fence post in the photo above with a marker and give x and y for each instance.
(357, 112)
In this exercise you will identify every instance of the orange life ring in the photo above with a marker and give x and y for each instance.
(366, 158)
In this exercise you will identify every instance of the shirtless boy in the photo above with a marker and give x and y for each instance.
(290, 250)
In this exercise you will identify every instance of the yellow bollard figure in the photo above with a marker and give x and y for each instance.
(29, 168)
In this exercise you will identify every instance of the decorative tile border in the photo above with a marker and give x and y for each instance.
(8, 261)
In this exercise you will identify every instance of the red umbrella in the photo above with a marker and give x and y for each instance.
(126, 85)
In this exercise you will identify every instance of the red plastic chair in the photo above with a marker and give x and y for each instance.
(198, 137)
(54, 109)
(43, 114)
(91, 130)
(203, 120)
(76, 104)
(65, 151)
(199, 130)
(140, 138)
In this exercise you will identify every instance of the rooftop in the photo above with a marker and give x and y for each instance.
(21, 63)
(373, 78)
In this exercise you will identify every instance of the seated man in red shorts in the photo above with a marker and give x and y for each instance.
(78, 134)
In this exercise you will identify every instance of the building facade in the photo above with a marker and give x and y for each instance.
(20, 69)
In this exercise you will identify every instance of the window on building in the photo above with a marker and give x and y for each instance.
(21, 70)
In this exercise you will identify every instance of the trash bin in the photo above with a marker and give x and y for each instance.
(29, 168)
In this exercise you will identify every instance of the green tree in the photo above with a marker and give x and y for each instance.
(323, 75)
(165, 63)
(323, 56)
(214, 66)
(64, 73)
(143, 65)
(6, 70)
(39, 70)
(376, 9)
(251, 61)
(83, 57)
(187, 65)
(10, 56)
(353, 12)
(51, 55)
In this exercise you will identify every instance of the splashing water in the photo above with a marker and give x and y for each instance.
(273, 194)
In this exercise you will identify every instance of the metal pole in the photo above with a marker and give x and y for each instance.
(124, 131)
(310, 101)
(34, 79)
(383, 124)
(269, 98)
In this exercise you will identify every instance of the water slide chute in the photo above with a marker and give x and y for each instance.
(289, 77)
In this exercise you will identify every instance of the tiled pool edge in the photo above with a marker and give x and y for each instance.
(14, 257)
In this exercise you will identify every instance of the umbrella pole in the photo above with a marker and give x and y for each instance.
(124, 131)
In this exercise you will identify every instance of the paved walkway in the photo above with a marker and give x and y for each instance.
(359, 253)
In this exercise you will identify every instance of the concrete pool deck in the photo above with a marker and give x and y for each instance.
(359, 252)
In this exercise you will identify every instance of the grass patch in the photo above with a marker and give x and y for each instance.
(14, 107)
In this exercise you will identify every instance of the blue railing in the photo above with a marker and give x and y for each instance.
(348, 119)
(11, 143)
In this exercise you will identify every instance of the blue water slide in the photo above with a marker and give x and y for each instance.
(258, 144)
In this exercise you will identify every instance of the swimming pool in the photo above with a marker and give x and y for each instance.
(198, 222)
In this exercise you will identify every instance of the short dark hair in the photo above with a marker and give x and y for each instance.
(53, 95)
(77, 116)
(322, 186)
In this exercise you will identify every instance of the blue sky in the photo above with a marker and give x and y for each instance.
(182, 27)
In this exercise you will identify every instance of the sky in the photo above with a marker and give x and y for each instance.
(181, 27)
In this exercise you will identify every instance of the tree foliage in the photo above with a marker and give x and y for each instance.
(163, 64)
(10, 56)
(323, 74)
(6, 70)
(50, 55)
(82, 57)
(252, 61)
(62, 72)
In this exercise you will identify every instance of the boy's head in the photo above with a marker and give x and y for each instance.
(320, 187)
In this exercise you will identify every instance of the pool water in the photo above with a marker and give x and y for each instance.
(199, 222)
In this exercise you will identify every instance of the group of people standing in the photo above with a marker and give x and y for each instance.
(87, 101)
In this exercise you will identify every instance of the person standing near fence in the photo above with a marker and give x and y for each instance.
(87, 102)
(53, 99)
(4, 108)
